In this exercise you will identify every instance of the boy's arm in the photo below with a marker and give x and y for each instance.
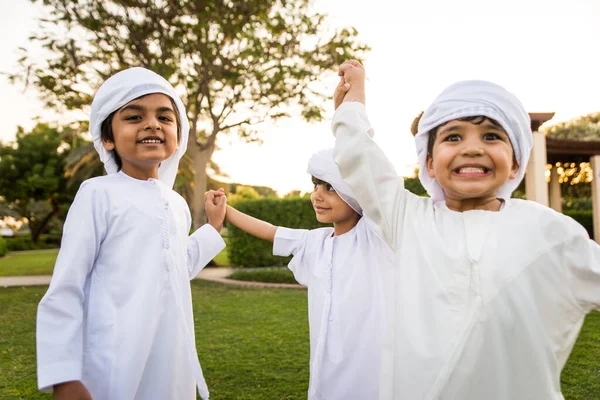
(255, 227)
(60, 315)
(285, 241)
(583, 261)
(373, 179)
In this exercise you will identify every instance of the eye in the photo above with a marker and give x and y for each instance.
(329, 188)
(452, 138)
(165, 119)
(491, 136)
(133, 118)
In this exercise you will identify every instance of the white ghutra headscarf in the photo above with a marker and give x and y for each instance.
(119, 90)
(472, 98)
(322, 166)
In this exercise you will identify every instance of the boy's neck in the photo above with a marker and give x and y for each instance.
(491, 203)
(339, 228)
(140, 173)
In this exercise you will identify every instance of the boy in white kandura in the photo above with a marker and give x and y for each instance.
(490, 292)
(116, 322)
(344, 269)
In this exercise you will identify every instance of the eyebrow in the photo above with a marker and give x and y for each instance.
(137, 107)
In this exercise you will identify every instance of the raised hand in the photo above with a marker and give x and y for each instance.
(215, 206)
(353, 74)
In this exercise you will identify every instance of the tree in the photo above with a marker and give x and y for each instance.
(237, 63)
(586, 127)
(32, 180)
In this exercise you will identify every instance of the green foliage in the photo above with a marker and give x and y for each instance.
(584, 217)
(249, 251)
(586, 127)
(23, 243)
(269, 275)
(239, 62)
(3, 248)
(32, 181)
(413, 184)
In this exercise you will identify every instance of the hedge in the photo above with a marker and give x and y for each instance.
(291, 212)
(20, 243)
(3, 249)
(584, 217)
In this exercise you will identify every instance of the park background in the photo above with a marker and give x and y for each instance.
(272, 81)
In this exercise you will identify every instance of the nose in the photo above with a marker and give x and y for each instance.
(318, 193)
(472, 147)
(152, 125)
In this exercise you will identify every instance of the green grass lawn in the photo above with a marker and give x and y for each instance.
(253, 343)
(271, 275)
(41, 262)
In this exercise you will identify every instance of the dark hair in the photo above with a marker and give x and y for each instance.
(107, 135)
(317, 181)
(476, 120)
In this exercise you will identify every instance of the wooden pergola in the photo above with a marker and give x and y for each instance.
(552, 150)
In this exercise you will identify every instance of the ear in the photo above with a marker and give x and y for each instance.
(513, 170)
(429, 162)
(108, 145)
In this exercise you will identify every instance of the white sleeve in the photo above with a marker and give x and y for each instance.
(372, 177)
(582, 256)
(293, 241)
(59, 337)
(203, 246)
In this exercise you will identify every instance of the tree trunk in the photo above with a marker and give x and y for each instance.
(201, 156)
(35, 233)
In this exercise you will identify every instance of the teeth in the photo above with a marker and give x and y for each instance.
(471, 170)
(154, 141)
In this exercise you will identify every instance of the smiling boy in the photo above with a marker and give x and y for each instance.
(344, 268)
(490, 292)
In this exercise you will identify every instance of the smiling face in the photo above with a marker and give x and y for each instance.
(471, 160)
(144, 134)
(331, 209)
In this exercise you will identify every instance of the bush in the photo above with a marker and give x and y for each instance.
(269, 275)
(21, 243)
(291, 212)
(584, 217)
(3, 249)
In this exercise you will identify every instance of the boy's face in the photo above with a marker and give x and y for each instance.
(145, 133)
(329, 206)
(471, 161)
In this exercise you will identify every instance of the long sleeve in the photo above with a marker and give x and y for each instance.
(293, 241)
(61, 312)
(582, 256)
(373, 179)
(203, 246)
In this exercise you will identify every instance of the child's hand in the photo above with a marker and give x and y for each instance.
(340, 91)
(73, 390)
(215, 206)
(353, 73)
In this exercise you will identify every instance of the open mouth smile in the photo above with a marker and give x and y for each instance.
(151, 140)
(472, 170)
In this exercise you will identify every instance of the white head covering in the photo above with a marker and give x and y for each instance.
(119, 90)
(322, 166)
(472, 98)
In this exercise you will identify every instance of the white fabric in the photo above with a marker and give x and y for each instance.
(119, 90)
(118, 312)
(485, 305)
(472, 98)
(345, 275)
(322, 166)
